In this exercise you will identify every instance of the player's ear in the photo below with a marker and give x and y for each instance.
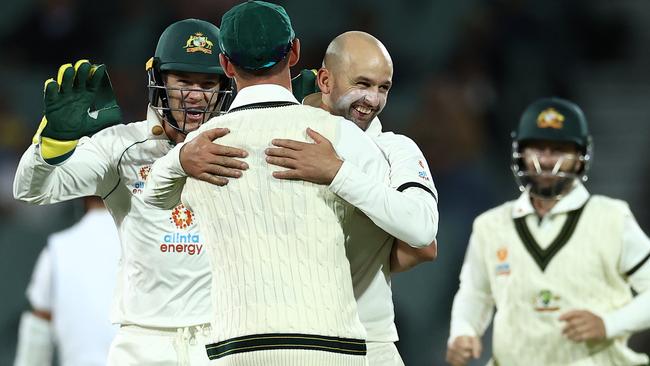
(294, 52)
(226, 65)
(324, 81)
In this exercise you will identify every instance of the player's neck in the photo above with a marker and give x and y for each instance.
(282, 79)
(542, 206)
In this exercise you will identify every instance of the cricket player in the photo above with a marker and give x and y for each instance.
(162, 299)
(70, 294)
(558, 263)
(355, 80)
(284, 293)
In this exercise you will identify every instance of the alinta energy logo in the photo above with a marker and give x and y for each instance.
(182, 217)
(143, 173)
(181, 242)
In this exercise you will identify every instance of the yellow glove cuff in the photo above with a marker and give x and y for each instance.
(55, 151)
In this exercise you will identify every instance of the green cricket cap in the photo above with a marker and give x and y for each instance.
(256, 35)
(553, 119)
(189, 45)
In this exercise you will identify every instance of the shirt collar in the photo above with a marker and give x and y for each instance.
(154, 125)
(575, 199)
(374, 128)
(262, 93)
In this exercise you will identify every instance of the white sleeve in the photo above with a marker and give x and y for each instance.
(89, 171)
(166, 180)
(473, 305)
(411, 217)
(635, 266)
(39, 290)
(35, 346)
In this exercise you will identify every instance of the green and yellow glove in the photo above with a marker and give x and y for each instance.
(304, 84)
(79, 103)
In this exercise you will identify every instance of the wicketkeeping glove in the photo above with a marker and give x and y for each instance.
(79, 103)
(304, 84)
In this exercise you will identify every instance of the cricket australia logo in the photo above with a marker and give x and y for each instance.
(550, 118)
(182, 217)
(546, 301)
(198, 43)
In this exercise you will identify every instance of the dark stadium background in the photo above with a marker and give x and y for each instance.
(464, 71)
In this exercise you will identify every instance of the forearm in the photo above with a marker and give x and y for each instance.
(404, 257)
(410, 217)
(631, 318)
(40, 183)
(471, 313)
(166, 180)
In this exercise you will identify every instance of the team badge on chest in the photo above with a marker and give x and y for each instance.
(503, 267)
(546, 301)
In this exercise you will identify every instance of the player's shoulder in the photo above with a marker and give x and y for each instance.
(123, 133)
(390, 141)
(609, 204)
(495, 216)
(316, 114)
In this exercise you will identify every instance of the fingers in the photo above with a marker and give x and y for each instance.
(460, 351)
(226, 162)
(65, 78)
(283, 162)
(281, 152)
(317, 137)
(97, 75)
(221, 150)
(289, 144)
(219, 181)
(216, 149)
(288, 175)
(51, 90)
(570, 315)
(215, 133)
(476, 347)
(82, 72)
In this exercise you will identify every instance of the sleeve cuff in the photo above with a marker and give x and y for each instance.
(175, 168)
(611, 330)
(458, 330)
(341, 177)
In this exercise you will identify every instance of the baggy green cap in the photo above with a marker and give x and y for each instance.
(553, 119)
(256, 35)
(189, 45)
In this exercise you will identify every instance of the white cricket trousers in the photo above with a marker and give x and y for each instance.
(143, 346)
(383, 354)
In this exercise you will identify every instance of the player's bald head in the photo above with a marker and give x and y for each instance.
(355, 47)
(356, 76)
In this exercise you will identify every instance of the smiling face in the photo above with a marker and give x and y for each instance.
(356, 77)
(192, 97)
(360, 92)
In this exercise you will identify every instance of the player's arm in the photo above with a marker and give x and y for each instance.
(472, 308)
(35, 336)
(198, 157)
(348, 169)
(62, 163)
(166, 180)
(634, 265)
(404, 257)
